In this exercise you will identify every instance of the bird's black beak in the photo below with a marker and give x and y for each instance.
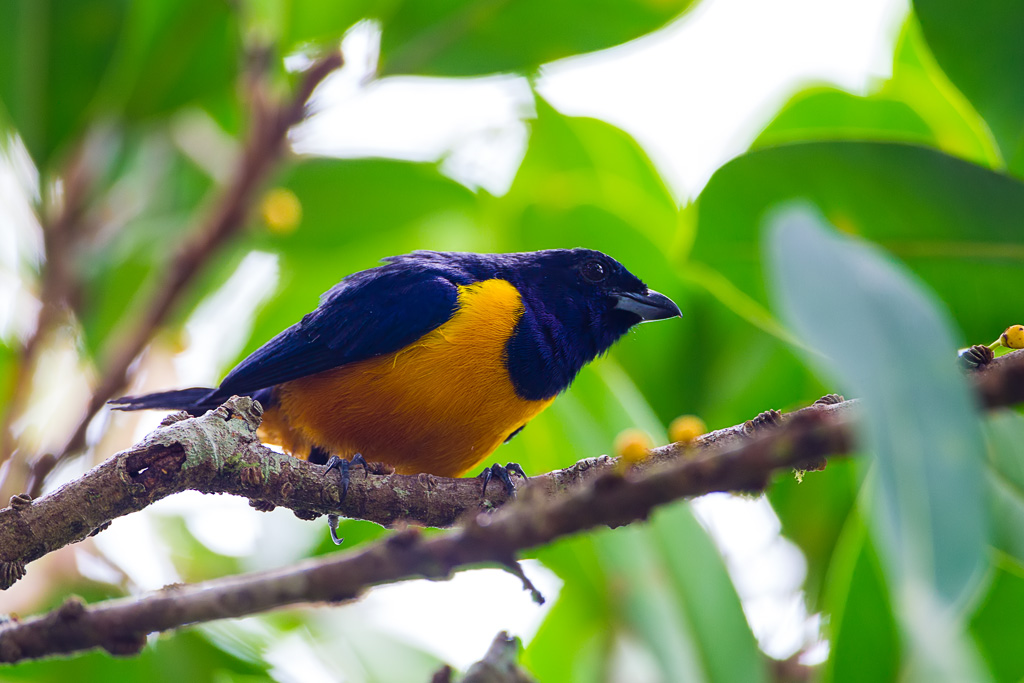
(649, 306)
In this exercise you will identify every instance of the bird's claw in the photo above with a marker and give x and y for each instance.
(343, 466)
(502, 474)
(332, 524)
(977, 356)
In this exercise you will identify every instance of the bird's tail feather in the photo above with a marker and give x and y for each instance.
(196, 401)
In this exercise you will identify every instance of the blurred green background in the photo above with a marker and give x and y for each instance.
(152, 102)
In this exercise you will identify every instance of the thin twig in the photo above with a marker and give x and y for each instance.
(264, 146)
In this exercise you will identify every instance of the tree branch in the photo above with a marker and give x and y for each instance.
(264, 146)
(220, 453)
(610, 498)
(741, 458)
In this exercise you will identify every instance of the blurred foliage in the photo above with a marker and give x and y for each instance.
(984, 62)
(147, 97)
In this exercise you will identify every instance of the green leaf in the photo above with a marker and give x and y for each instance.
(892, 347)
(705, 594)
(473, 37)
(573, 643)
(1005, 430)
(921, 84)
(832, 495)
(978, 45)
(53, 56)
(830, 114)
(317, 21)
(996, 625)
(646, 603)
(172, 54)
(584, 181)
(953, 223)
(864, 640)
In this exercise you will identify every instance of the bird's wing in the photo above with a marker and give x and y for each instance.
(367, 314)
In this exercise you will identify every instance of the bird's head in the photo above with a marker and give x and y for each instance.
(578, 302)
(594, 285)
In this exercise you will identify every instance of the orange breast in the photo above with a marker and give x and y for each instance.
(440, 405)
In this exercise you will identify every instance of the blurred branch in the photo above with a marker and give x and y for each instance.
(218, 453)
(791, 670)
(264, 146)
(497, 666)
(499, 663)
(61, 228)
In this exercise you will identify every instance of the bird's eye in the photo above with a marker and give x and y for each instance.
(593, 271)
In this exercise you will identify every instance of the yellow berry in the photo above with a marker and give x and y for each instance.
(633, 445)
(1013, 337)
(282, 211)
(686, 428)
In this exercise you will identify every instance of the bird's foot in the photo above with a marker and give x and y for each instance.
(976, 357)
(343, 466)
(503, 474)
(765, 420)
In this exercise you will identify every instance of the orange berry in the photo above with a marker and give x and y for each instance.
(686, 428)
(633, 445)
(1013, 337)
(282, 211)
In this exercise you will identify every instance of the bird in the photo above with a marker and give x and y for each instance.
(430, 361)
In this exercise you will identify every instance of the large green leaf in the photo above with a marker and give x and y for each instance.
(1006, 481)
(64, 63)
(172, 54)
(705, 595)
(472, 37)
(997, 626)
(829, 114)
(921, 84)
(585, 182)
(53, 56)
(955, 224)
(887, 343)
(574, 641)
(320, 21)
(832, 495)
(864, 642)
(978, 44)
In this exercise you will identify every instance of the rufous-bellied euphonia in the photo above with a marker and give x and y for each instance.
(430, 361)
